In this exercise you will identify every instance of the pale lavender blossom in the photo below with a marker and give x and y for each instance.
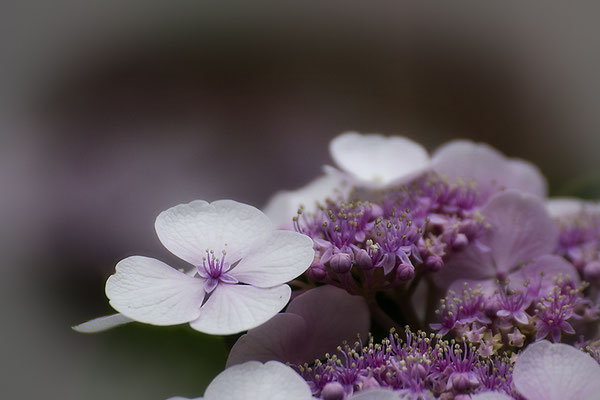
(489, 169)
(376, 161)
(241, 265)
(556, 371)
(517, 246)
(314, 323)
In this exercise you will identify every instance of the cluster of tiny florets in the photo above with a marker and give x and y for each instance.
(509, 319)
(417, 366)
(380, 241)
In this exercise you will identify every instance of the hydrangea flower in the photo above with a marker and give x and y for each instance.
(489, 169)
(518, 246)
(556, 371)
(314, 323)
(377, 161)
(241, 265)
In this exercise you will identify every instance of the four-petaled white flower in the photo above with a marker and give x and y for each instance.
(241, 265)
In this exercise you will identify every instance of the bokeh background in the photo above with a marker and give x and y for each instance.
(113, 111)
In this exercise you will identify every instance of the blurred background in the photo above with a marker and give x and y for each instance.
(112, 111)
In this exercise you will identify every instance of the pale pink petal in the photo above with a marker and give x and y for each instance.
(525, 177)
(377, 159)
(471, 263)
(332, 316)
(281, 338)
(102, 324)
(277, 258)
(254, 380)
(488, 168)
(375, 394)
(547, 371)
(283, 206)
(543, 271)
(491, 396)
(236, 308)
(521, 229)
(188, 230)
(148, 290)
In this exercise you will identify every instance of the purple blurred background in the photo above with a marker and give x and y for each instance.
(112, 112)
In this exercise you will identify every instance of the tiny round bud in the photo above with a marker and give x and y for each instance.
(364, 260)
(341, 262)
(333, 391)
(591, 271)
(434, 263)
(460, 242)
(316, 272)
(405, 272)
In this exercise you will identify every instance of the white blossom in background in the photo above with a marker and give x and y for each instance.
(241, 265)
(284, 205)
(560, 207)
(376, 161)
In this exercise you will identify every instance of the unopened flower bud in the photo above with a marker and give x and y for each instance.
(434, 263)
(405, 272)
(364, 260)
(591, 271)
(316, 272)
(460, 242)
(333, 391)
(341, 262)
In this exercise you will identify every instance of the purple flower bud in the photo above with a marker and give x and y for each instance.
(591, 271)
(333, 391)
(434, 263)
(317, 272)
(341, 263)
(460, 242)
(405, 272)
(364, 260)
(463, 381)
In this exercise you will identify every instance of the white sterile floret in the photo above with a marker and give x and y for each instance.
(254, 380)
(241, 265)
(284, 205)
(377, 161)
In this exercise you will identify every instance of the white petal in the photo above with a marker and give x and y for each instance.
(491, 396)
(187, 230)
(283, 206)
(254, 380)
(377, 159)
(547, 371)
(236, 308)
(148, 290)
(102, 323)
(489, 168)
(185, 398)
(375, 394)
(278, 258)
